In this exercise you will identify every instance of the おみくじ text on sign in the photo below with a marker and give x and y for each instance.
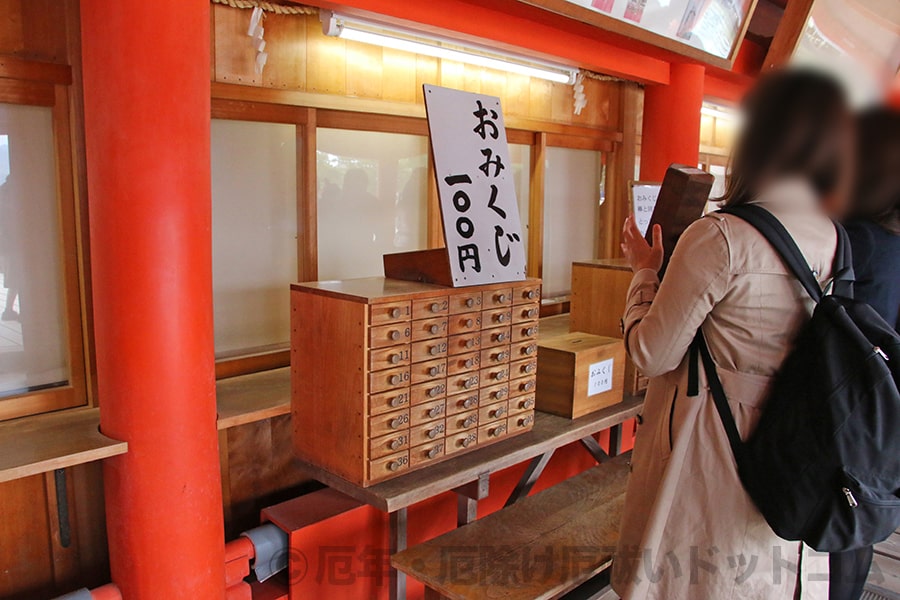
(475, 185)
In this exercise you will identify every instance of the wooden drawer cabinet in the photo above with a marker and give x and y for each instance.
(390, 375)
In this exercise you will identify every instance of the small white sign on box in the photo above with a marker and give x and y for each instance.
(643, 203)
(475, 185)
(600, 377)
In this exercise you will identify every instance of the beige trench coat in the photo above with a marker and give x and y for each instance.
(689, 531)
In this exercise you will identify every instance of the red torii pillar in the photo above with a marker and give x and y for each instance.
(147, 118)
(671, 130)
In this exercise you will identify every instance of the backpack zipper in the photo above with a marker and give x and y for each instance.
(851, 500)
(877, 350)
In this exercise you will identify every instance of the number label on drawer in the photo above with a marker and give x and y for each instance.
(389, 335)
(388, 401)
(389, 313)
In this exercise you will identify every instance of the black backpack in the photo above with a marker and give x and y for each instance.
(823, 465)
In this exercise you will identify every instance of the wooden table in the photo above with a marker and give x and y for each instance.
(469, 474)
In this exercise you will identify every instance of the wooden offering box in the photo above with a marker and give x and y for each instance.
(599, 288)
(389, 375)
(579, 373)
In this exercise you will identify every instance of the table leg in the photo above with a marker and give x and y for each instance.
(615, 440)
(467, 497)
(466, 510)
(397, 523)
(529, 477)
(593, 446)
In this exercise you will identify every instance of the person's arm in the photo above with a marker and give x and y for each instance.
(661, 320)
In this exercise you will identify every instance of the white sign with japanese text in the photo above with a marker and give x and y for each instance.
(643, 202)
(475, 185)
(600, 377)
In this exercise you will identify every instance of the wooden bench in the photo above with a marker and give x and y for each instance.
(544, 546)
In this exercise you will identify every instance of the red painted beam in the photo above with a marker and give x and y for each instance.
(514, 26)
(147, 118)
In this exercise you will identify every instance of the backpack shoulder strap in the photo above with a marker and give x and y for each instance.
(699, 347)
(772, 229)
(843, 276)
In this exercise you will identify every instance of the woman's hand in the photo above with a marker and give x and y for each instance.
(638, 252)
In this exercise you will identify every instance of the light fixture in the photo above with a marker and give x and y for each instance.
(417, 43)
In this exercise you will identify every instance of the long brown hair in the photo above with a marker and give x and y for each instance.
(876, 196)
(796, 124)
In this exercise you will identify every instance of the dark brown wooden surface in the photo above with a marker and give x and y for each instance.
(550, 432)
(250, 398)
(569, 531)
(426, 266)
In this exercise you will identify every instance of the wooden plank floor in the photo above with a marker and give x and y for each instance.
(884, 578)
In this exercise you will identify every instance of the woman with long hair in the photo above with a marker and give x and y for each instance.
(689, 530)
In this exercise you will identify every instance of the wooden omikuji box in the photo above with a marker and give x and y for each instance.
(599, 289)
(389, 376)
(579, 373)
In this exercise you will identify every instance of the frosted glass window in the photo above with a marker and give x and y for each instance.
(33, 338)
(520, 155)
(572, 196)
(254, 200)
(372, 199)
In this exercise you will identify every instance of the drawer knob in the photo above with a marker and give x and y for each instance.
(501, 317)
(501, 298)
(395, 313)
(469, 323)
(470, 402)
(527, 386)
(434, 329)
(526, 421)
(398, 423)
(394, 359)
(502, 356)
(394, 335)
(500, 337)
(528, 404)
(434, 350)
(433, 371)
(395, 379)
(435, 307)
(470, 383)
(433, 432)
(500, 394)
(530, 331)
(434, 451)
(469, 363)
(528, 350)
(530, 294)
(394, 465)
(470, 302)
(531, 312)
(432, 392)
(468, 441)
(436, 411)
(500, 375)
(497, 431)
(498, 412)
(397, 401)
(396, 444)
(470, 342)
(529, 368)
(470, 420)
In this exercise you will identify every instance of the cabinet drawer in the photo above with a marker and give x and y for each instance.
(495, 337)
(429, 432)
(427, 329)
(526, 294)
(431, 390)
(428, 371)
(493, 412)
(465, 322)
(492, 431)
(490, 395)
(385, 358)
(523, 368)
(430, 307)
(497, 317)
(461, 441)
(426, 453)
(461, 303)
(463, 363)
(389, 379)
(389, 465)
(494, 375)
(520, 387)
(521, 404)
(390, 312)
(496, 298)
(388, 401)
(524, 332)
(464, 382)
(497, 355)
(388, 444)
(429, 411)
(527, 349)
(519, 422)
(526, 312)
(461, 403)
(464, 342)
(394, 422)
(389, 335)
(462, 422)
(429, 349)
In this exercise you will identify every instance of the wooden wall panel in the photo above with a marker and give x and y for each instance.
(12, 33)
